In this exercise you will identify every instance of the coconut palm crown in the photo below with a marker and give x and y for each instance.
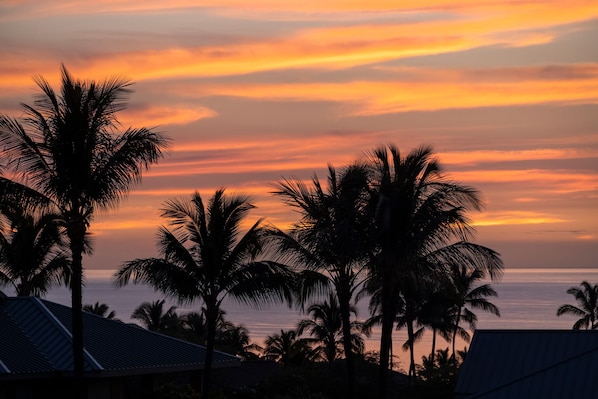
(206, 257)
(422, 228)
(587, 310)
(68, 148)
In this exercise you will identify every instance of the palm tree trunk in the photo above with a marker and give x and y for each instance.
(211, 317)
(432, 355)
(388, 318)
(76, 233)
(348, 347)
(411, 337)
(455, 335)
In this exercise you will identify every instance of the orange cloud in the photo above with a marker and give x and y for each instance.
(514, 218)
(157, 115)
(426, 90)
(62, 7)
(333, 47)
(481, 157)
(551, 181)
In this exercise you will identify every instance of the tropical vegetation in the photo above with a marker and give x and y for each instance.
(100, 309)
(390, 227)
(33, 256)
(205, 256)
(329, 243)
(587, 310)
(68, 150)
(422, 230)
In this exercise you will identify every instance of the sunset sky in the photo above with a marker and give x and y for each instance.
(506, 93)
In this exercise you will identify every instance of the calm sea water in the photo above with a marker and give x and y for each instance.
(527, 299)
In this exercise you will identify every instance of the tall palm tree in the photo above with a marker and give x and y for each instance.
(69, 149)
(421, 227)
(328, 241)
(466, 297)
(325, 326)
(156, 318)
(205, 257)
(100, 309)
(587, 311)
(32, 251)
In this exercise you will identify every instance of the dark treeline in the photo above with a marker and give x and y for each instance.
(389, 226)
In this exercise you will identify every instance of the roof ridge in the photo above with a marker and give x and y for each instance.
(90, 359)
(20, 323)
(60, 330)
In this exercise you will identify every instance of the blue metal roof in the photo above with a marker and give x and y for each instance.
(35, 337)
(530, 364)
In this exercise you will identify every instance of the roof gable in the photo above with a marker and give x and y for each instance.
(530, 363)
(39, 333)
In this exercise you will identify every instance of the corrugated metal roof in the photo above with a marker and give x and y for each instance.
(530, 364)
(36, 338)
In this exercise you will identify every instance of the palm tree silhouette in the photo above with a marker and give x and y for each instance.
(466, 296)
(287, 348)
(154, 317)
(235, 339)
(206, 257)
(100, 309)
(329, 240)
(32, 250)
(70, 152)
(587, 309)
(421, 228)
(325, 326)
(435, 314)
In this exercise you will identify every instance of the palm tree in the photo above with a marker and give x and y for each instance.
(587, 311)
(466, 296)
(155, 318)
(286, 348)
(325, 326)
(235, 339)
(205, 257)
(32, 256)
(411, 302)
(69, 150)
(421, 228)
(412, 296)
(329, 240)
(436, 314)
(100, 309)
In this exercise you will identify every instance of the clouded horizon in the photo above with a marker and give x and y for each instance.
(505, 92)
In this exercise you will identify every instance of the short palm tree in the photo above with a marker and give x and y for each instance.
(325, 327)
(235, 339)
(100, 309)
(205, 257)
(156, 318)
(435, 314)
(287, 348)
(587, 309)
(69, 150)
(468, 297)
(32, 251)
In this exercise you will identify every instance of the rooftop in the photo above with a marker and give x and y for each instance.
(36, 336)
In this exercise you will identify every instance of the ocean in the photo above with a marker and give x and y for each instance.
(527, 299)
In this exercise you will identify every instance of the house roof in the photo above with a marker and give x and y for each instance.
(530, 364)
(35, 338)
